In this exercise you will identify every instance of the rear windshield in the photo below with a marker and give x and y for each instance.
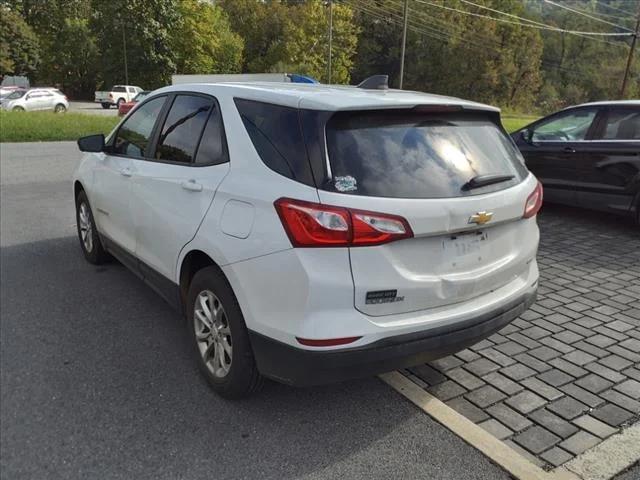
(413, 155)
(118, 89)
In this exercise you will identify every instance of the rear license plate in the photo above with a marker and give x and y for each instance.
(464, 245)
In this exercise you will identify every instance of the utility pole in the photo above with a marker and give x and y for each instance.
(124, 45)
(330, 36)
(404, 40)
(630, 58)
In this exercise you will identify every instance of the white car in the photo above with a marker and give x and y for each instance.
(314, 233)
(118, 95)
(36, 99)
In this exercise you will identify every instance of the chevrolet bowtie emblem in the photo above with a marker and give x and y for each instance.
(480, 218)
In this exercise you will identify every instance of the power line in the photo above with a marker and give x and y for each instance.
(550, 2)
(389, 16)
(606, 5)
(540, 27)
(602, 14)
(432, 19)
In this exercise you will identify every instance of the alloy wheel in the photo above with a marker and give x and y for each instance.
(213, 333)
(86, 229)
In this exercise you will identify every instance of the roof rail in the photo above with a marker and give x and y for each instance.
(375, 82)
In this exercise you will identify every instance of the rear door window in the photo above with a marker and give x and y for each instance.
(621, 124)
(412, 155)
(212, 149)
(183, 127)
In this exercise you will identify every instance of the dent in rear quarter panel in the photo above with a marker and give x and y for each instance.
(304, 292)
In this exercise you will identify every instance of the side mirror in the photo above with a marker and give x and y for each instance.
(527, 135)
(92, 143)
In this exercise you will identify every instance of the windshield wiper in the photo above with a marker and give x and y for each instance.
(484, 180)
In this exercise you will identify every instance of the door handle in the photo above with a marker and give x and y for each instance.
(125, 172)
(569, 150)
(192, 186)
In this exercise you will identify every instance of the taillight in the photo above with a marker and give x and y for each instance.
(315, 225)
(534, 202)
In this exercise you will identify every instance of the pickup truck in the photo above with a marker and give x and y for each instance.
(117, 95)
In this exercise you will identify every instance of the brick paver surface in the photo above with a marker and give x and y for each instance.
(566, 374)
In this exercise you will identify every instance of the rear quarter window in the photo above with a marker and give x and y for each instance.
(413, 155)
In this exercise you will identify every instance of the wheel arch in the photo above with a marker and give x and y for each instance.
(77, 188)
(194, 261)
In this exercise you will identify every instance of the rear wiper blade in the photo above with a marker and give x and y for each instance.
(484, 180)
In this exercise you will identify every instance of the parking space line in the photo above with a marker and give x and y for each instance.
(476, 436)
(609, 458)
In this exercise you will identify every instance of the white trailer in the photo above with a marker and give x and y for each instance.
(241, 77)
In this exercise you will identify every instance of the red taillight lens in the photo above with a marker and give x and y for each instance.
(315, 225)
(534, 202)
(371, 228)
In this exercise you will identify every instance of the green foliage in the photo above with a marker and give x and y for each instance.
(71, 59)
(49, 126)
(144, 27)
(81, 44)
(282, 36)
(19, 47)
(202, 40)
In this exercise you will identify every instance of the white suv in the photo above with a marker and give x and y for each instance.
(315, 233)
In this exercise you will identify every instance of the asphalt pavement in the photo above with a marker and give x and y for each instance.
(97, 380)
(92, 108)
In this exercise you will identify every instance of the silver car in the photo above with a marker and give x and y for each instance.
(36, 99)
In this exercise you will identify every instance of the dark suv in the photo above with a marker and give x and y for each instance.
(588, 156)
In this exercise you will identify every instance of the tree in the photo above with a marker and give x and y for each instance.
(294, 36)
(262, 26)
(144, 27)
(19, 47)
(203, 42)
(306, 40)
(450, 53)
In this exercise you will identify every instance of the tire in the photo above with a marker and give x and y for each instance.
(17, 109)
(233, 375)
(119, 102)
(106, 105)
(60, 108)
(90, 243)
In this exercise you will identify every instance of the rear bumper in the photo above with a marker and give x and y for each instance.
(295, 366)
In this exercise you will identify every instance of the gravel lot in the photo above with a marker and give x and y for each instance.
(96, 379)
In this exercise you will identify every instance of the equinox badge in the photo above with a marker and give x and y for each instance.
(480, 218)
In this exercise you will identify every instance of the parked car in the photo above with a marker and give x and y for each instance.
(315, 233)
(35, 99)
(588, 156)
(117, 95)
(125, 107)
(6, 91)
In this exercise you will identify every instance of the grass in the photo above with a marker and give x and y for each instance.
(49, 126)
(514, 121)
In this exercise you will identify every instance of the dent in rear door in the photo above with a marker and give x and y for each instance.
(172, 194)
